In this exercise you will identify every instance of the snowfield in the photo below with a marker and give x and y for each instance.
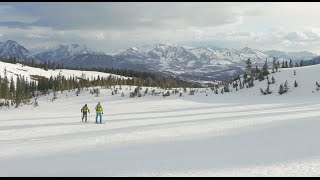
(241, 133)
(27, 72)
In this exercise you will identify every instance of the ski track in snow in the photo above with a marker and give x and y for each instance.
(237, 134)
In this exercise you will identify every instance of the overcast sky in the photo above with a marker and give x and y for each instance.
(109, 26)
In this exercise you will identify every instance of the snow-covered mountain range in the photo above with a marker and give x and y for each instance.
(295, 56)
(196, 63)
(66, 51)
(13, 49)
(203, 62)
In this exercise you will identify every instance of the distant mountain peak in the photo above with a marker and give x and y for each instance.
(134, 48)
(10, 42)
(63, 51)
(246, 48)
(10, 48)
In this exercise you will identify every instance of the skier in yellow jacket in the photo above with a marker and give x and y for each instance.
(99, 112)
(84, 111)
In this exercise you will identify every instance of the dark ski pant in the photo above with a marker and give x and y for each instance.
(99, 114)
(84, 115)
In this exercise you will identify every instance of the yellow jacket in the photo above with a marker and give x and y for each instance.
(85, 109)
(99, 109)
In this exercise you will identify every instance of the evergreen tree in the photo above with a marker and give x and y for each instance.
(290, 63)
(261, 77)
(32, 63)
(295, 84)
(248, 67)
(250, 83)
(274, 65)
(54, 94)
(45, 66)
(265, 69)
(281, 91)
(5, 88)
(268, 89)
(301, 63)
(226, 87)
(286, 87)
(18, 92)
(245, 77)
(1, 84)
(257, 71)
(262, 92)
(23, 95)
(273, 80)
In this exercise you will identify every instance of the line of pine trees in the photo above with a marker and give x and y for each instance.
(61, 83)
(14, 93)
(20, 91)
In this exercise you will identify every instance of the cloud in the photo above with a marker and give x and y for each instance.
(235, 34)
(122, 16)
(302, 36)
(118, 25)
(5, 8)
(100, 36)
(14, 24)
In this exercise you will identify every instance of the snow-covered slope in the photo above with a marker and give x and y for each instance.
(306, 78)
(11, 48)
(241, 133)
(29, 72)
